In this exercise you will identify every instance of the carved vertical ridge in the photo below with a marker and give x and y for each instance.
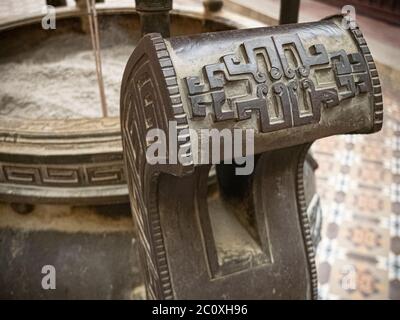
(305, 223)
(179, 113)
(376, 84)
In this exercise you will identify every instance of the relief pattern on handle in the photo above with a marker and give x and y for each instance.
(275, 72)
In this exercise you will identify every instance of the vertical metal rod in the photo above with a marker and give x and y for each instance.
(94, 34)
(212, 5)
(56, 3)
(289, 12)
(154, 16)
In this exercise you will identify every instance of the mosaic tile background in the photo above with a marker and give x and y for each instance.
(359, 183)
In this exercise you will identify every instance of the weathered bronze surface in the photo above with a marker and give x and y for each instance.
(292, 84)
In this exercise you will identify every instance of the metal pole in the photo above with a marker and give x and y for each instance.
(289, 12)
(154, 16)
(213, 5)
(94, 34)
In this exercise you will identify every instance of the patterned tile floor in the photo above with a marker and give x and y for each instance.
(359, 183)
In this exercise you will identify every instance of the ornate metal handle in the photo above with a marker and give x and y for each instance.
(291, 85)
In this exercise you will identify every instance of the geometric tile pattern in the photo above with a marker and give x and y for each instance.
(359, 183)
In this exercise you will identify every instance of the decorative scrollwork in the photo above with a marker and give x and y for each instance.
(282, 66)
